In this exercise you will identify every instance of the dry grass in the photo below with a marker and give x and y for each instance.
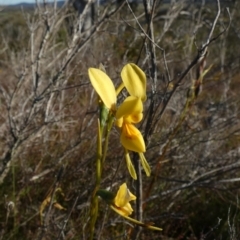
(48, 130)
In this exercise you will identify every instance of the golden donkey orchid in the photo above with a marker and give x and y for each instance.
(120, 204)
(129, 112)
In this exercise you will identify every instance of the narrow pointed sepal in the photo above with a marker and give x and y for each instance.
(145, 164)
(145, 225)
(130, 166)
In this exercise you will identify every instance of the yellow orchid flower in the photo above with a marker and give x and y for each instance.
(131, 138)
(122, 199)
(129, 112)
(120, 204)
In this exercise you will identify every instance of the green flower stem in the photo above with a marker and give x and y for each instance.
(101, 156)
(109, 127)
(94, 201)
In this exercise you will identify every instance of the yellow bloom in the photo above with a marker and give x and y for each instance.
(129, 112)
(122, 199)
(120, 204)
(131, 138)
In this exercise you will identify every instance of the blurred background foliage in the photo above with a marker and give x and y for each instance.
(195, 193)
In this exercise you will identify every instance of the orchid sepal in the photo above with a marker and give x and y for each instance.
(135, 221)
(103, 85)
(134, 80)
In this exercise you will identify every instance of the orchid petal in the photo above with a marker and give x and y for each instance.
(134, 80)
(103, 86)
(132, 139)
(124, 211)
(123, 197)
(134, 118)
(130, 105)
(119, 122)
